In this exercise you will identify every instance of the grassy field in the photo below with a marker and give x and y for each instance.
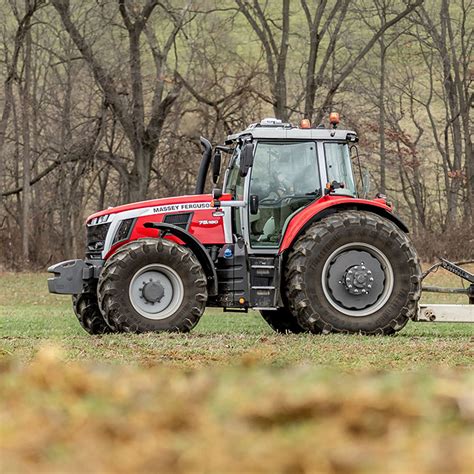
(232, 396)
(30, 317)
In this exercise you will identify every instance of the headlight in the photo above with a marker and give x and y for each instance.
(102, 219)
(123, 231)
(99, 220)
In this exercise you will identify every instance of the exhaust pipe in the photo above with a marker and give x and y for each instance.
(205, 162)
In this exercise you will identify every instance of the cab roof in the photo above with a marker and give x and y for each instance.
(277, 130)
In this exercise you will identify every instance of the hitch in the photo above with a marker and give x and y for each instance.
(453, 313)
(456, 270)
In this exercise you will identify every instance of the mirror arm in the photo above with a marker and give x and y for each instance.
(216, 166)
(204, 167)
(230, 204)
(225, 149)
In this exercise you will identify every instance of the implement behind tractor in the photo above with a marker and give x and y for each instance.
(449, 312)
(289, 235)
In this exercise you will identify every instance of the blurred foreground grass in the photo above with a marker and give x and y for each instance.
(65, 418)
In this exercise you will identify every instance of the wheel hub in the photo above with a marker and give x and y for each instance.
(355, 279)
(358, 279)
(152, 291)
(156, 291)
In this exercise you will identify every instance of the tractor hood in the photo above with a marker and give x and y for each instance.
(107, 230)
(155, 206)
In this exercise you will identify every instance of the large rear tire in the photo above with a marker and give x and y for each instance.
(353, 272)
(282, 321)
(152, 285)
(87, 310)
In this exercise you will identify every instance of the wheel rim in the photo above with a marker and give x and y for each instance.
(357, 279)
(156, 291)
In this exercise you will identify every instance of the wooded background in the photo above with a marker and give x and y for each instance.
(103, 102)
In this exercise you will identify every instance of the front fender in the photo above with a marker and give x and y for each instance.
(197, 248)
(328, 205)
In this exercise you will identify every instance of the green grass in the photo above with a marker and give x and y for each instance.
(30, 318)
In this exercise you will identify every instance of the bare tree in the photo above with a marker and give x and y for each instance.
(143, 133)
(454, 142)
(99, 100)
(24, 24)
(325, 22)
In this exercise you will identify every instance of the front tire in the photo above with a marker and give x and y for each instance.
(86, 309)
(152, 285)
(353, 272)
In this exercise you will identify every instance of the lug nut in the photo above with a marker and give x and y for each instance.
(371, 279)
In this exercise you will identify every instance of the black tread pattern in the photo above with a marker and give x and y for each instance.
(311, 314)
(282, 321)
(113, 286)
(87, 311)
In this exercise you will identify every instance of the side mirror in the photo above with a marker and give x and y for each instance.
(216, 166)
(246, 159)
(253, 204)
(216, 193)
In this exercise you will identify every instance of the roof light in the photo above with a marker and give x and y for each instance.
(271, 121)
(305, 123)
(334, 119)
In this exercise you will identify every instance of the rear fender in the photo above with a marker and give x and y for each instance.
(329, 205)
(196, 247)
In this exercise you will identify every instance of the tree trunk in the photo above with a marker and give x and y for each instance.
(382, 116)
(25, 109)
(281, 101)
(139, 178)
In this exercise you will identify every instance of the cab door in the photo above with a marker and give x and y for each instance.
(285, 177)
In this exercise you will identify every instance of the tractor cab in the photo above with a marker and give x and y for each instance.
(279, 169)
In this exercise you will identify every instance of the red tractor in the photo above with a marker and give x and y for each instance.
(287, 235)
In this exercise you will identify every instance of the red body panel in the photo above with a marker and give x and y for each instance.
(207, 227)
(299, 221)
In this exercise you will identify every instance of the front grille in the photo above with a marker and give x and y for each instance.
(95, 239)
(180, 220)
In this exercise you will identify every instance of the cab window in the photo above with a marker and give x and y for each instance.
(339, 168)
(235, 183)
